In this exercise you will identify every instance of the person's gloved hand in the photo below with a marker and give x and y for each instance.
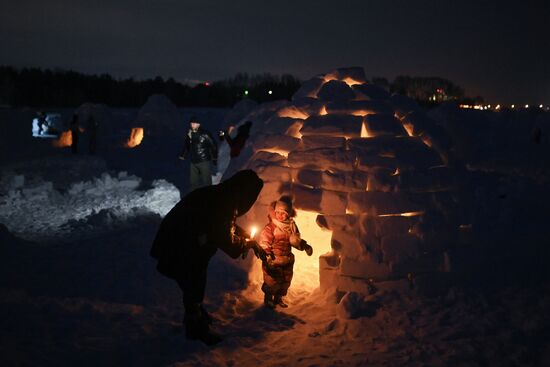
(307, 248)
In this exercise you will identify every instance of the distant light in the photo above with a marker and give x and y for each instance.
(270, 92)
(497, 107)
(526, 106)
(246, 92)
(513, 106)
(489, 106)
(541, 106)
(207, 84)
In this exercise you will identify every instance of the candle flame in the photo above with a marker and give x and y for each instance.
(253, 232)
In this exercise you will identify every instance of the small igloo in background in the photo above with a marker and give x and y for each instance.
(370, 178)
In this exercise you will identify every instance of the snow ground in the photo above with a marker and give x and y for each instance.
(77, 285)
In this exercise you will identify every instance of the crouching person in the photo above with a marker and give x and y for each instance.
(191, 233)
(277, 239)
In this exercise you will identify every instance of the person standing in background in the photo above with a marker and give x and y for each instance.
(75, 134)
(202, 150)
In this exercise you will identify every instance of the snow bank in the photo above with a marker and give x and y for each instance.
(35, 208)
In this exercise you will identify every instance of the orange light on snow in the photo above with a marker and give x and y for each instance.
(407, 214)
(292, 112)
(284, 153)
(64, 140)
(408, 128)
(136, 136)
(350, 81)
(364, 131)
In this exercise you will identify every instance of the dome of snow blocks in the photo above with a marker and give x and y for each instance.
(371, 166)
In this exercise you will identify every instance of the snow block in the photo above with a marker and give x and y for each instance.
(323, 158)
(334, 202)
(336, 181)
(333, 125)
(360, 108)
(275, 143)
(381, 203)
(335, 91)
(346, 222)
(292, 112)
(307, 199)
(309, 88)
(282, 125)
(372, 162)
(382, 124)
(322, 141)
(310, 106)
(397, 249)
(364, 267)
(387, 226)
(408, 151)
(347, 244)
(353, 75)
(273, 172)
(327, 278)
(369, 92)
(381, 179)
(428, 180)
(263, 157)
(321, 201)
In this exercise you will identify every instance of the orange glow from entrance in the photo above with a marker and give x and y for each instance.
(64, 140)
(136, 136)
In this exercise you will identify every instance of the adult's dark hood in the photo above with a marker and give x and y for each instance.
(243, 187)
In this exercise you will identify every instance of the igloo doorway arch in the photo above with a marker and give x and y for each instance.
(306, 268)
(370, 168)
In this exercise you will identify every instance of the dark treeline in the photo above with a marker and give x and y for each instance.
(35, 87)
(426, 90)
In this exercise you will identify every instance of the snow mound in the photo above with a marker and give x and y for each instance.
(35, 209)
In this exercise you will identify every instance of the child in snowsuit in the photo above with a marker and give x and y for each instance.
(277, 239)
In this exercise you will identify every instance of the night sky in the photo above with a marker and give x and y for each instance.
(497, 49)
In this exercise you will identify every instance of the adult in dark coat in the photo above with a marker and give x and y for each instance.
(191, 233)
(201, 149)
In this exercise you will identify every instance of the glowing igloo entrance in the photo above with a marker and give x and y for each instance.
(368, 174)
(306, 268)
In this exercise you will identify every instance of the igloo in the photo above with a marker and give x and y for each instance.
(370, 176)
